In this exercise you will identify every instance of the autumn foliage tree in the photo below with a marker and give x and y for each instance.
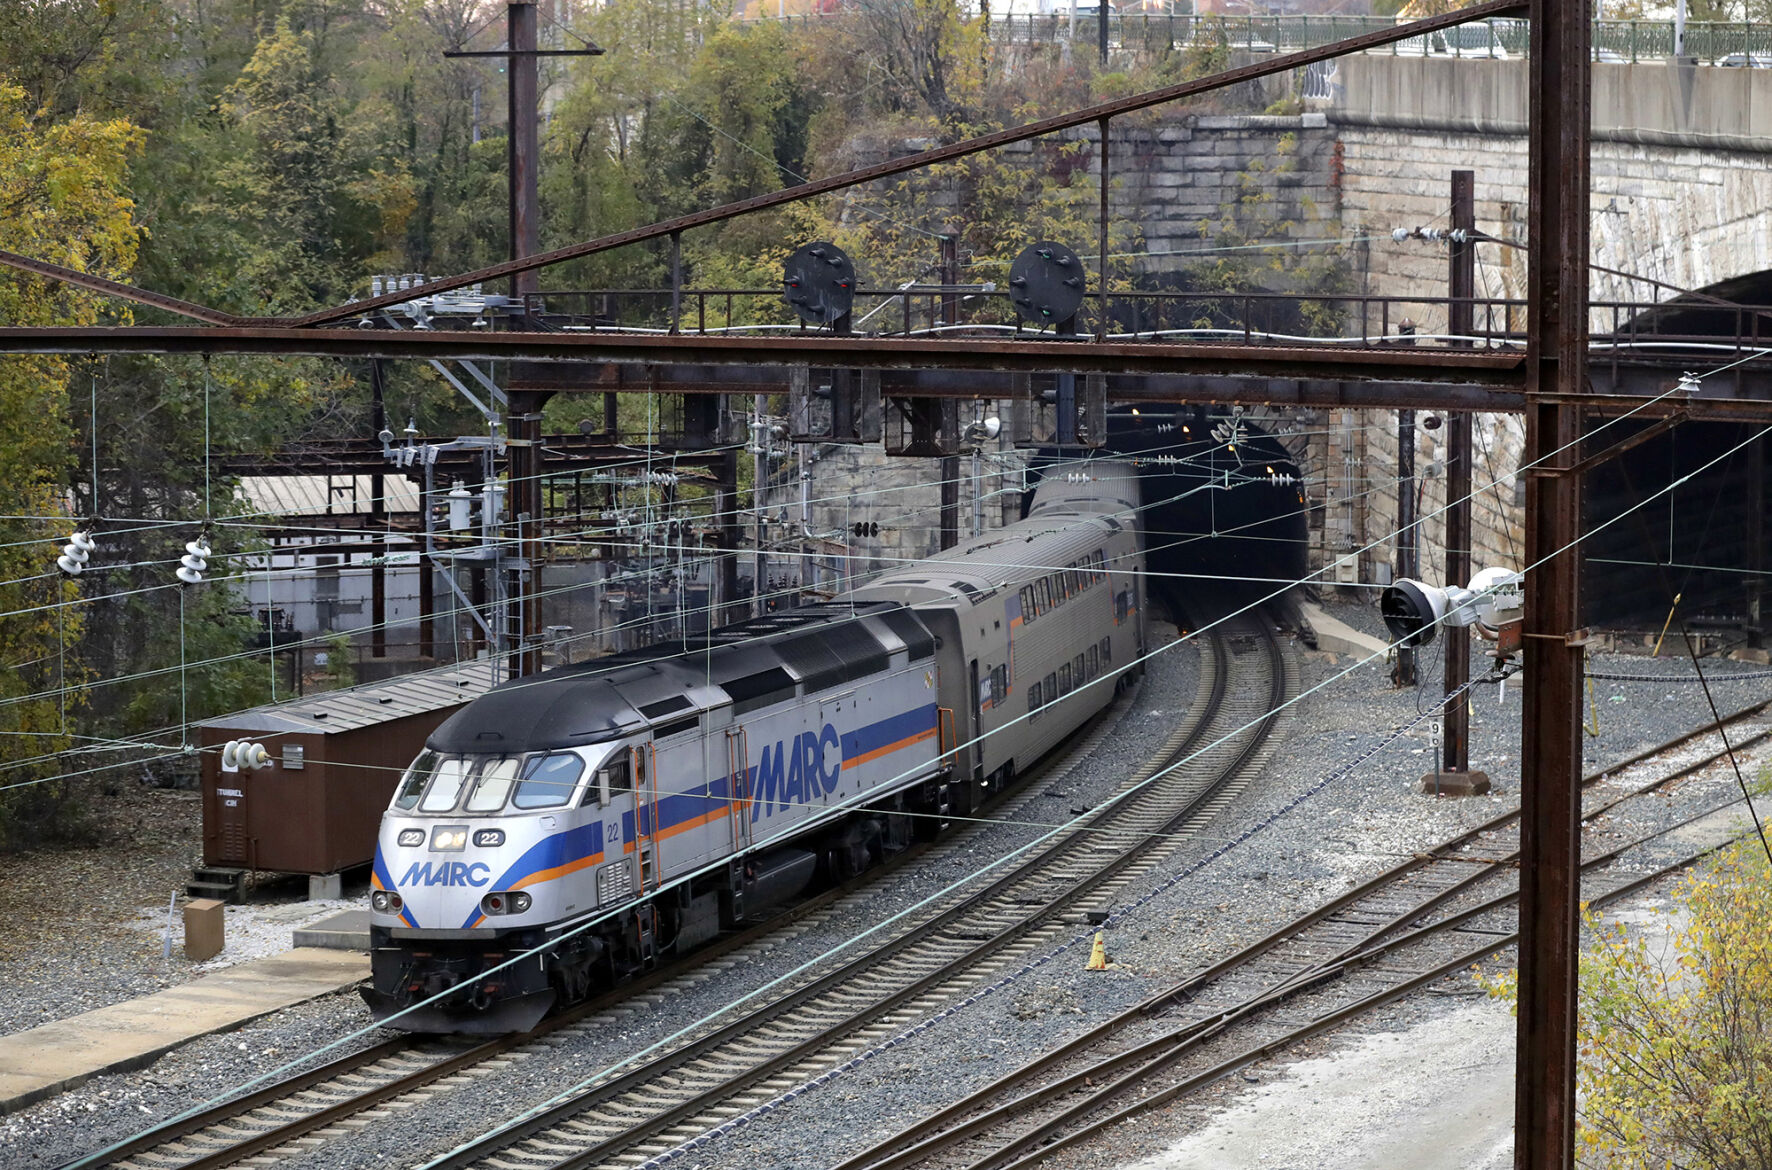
(63, 198)
(1676, 1039)
(1674, 1045)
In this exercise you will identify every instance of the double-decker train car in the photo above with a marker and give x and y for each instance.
(594, 818)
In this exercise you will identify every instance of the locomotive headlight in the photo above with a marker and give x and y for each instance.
(503, 903)
(379, 901)
(411, 837)
(450, 838)
(488, 838)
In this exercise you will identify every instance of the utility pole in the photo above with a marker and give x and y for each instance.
(1550, 750)
(759, 493)
(1460, 322)
(950, 464)
(523, 422)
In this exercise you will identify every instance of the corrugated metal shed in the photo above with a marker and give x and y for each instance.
(320, 495)
(372, 703)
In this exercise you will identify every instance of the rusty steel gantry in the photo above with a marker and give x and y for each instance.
(1548, 383)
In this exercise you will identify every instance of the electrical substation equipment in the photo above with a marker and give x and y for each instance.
(76, 553)
(195, 562)
(461, 508)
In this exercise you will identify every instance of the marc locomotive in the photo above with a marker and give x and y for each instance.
(596, 817)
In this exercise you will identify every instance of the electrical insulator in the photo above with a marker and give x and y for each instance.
(76, 553)
(865, 528)
(461, 507)
(195, 562)
(239, 753)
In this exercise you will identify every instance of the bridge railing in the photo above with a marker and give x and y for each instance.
(1683, 330)
(1742, 43)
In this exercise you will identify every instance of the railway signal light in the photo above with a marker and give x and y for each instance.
(76, 553)
(195, 562)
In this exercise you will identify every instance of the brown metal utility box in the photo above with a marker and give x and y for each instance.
(335, 758)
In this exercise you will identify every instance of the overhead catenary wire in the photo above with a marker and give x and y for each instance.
(987, 868)
(1475, 491)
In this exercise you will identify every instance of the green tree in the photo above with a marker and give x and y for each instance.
(64, 198)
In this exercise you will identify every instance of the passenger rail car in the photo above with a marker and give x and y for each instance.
(596, 817)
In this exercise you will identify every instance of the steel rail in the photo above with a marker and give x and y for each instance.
(589, 1152)
(235, 1108)
(1325, 1023)
(952, 1125)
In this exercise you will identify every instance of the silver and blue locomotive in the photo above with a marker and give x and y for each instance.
(597, 817)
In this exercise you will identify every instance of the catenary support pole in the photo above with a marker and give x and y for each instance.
(523, 423)
(1550, 755)
(1460, 322)
(1408, 536)
(950, 464)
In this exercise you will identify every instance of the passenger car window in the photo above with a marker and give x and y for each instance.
(1064, 679)
(548, 781)
(445, 786)
(1033, 698)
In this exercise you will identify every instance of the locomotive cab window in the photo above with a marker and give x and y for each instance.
(445, 786)
(548, 781)
(615, 777)
(492, 785)
(413, 783)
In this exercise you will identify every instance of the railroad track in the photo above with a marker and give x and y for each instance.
(742, 1066)
(1431, 916)
(300, 1111)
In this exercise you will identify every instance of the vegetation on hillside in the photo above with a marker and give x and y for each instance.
(267, 157)
(1675, 1041)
